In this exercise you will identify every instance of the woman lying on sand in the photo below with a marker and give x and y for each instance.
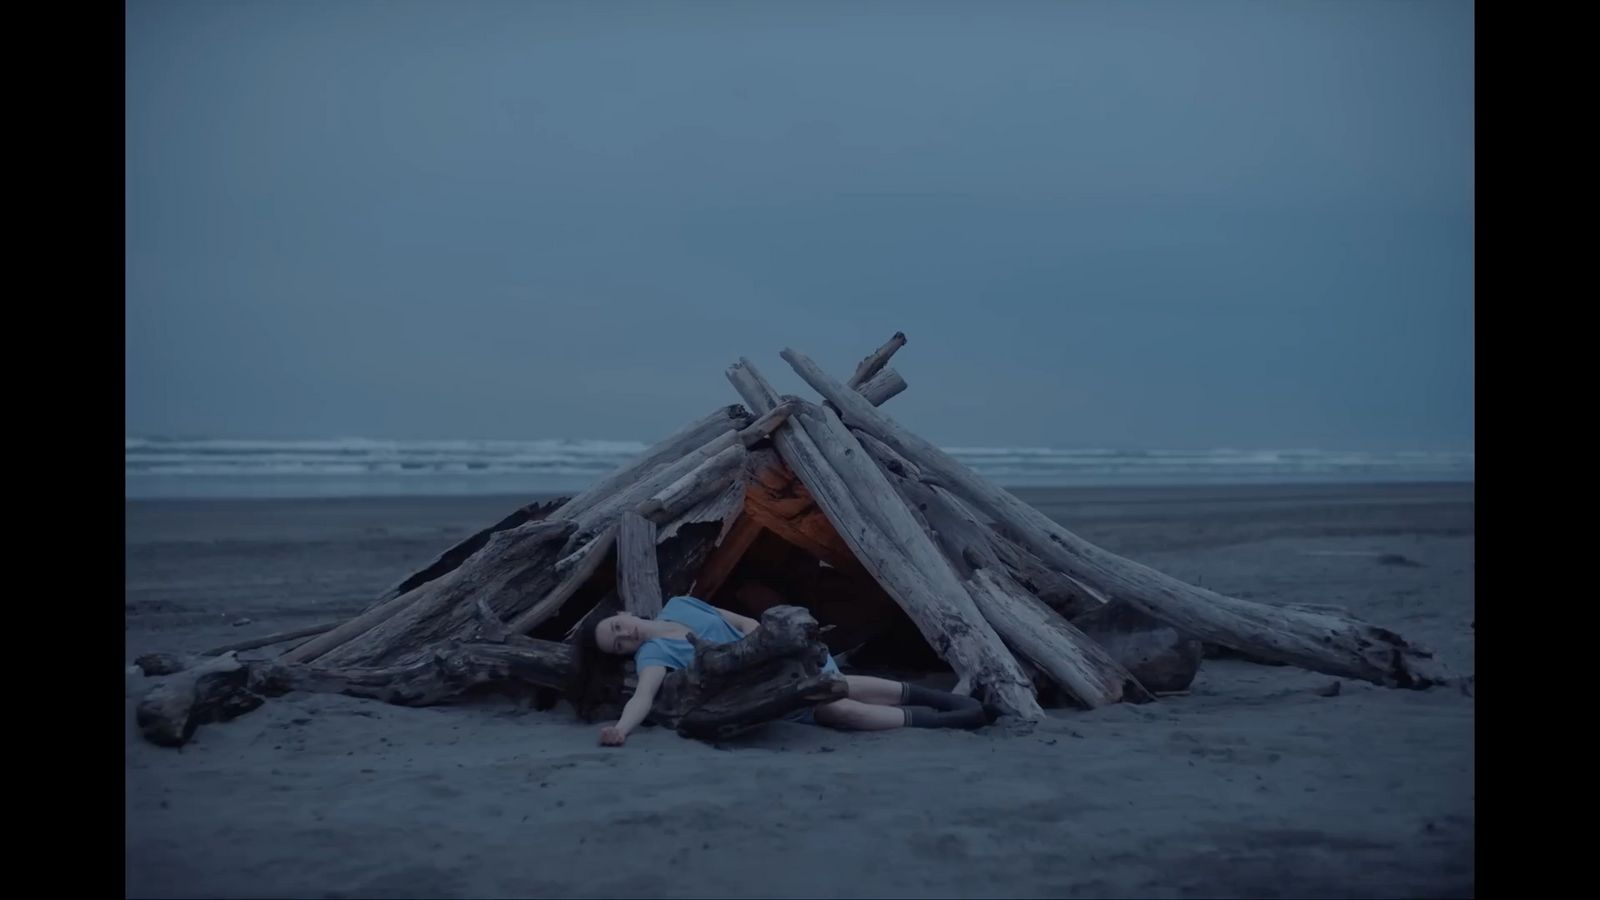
(658, 645)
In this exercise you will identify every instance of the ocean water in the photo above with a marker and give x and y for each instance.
(156, 467)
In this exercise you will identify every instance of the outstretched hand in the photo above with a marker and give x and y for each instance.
(612, 736)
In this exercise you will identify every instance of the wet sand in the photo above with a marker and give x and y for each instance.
(1253, 785)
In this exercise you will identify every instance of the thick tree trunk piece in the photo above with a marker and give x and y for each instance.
(578, 568)
(503, 550)
(490, 628)
(457, 554)
(668, 451)
(719, 508)
(709, 477)
(638, 575)
(1162, 657)
(881, 532)
(875, 361)
(762, 428)
(1037, 633)
(772, 672)
(444, 673)
(1323, 643)
(884, 385)
(682, 555)
(213, 691)
(1059, 591)
(444, 609)
(157, 664)
(784, 631)
(784, 689)
(277, 637)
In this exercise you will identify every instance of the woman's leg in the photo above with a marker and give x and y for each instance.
(857, 716)
(883, 692)
(877, 691)
(854, 715)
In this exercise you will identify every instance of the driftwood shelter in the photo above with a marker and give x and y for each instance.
(839, 528)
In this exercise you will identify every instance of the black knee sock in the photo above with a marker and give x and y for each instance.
(925, 717)
(914, 695)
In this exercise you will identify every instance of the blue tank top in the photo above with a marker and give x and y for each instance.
(677, 653)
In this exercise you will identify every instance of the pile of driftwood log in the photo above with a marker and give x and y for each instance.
(807, 515)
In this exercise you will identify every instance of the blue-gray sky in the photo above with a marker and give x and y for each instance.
(1139, 225)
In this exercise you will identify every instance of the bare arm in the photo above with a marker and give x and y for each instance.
(637, 707)
(744, 624)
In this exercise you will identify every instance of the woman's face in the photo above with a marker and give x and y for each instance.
(618, 634)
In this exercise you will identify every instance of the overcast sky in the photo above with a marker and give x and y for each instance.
(1137, 225)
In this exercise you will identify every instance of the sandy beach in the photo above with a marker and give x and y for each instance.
(1255, 784)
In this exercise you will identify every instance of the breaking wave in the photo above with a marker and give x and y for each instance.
(224, 467)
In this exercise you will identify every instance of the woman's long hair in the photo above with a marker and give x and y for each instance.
(596, 676)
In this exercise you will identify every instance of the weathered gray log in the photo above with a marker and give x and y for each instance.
(784, 631)
(710, 476)
(1217, 651)
(883, 385)
(1059, 591)
(714, 481)
(780, 690)
(719, 508)
(638, 576)
(490, 628)
(458, 553)
(881, 532)
(157, 664)
(762, 428)
(442, 609)
(504, 549)
(1037, 633)
(1324, 643)
(663, 453)
(443, 673)
(213, 691)
(277, 637)
(519, 585)
(606, 511)
(578, 569)
(1164, 658)
(668, 451)
(683, 553)
(875, 361)
(730, 688)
